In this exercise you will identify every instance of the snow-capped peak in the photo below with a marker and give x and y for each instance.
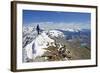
(73, 30)
(56, 33)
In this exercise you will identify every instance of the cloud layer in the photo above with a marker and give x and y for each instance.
(61, 25)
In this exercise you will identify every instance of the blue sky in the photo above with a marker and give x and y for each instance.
(82, 19)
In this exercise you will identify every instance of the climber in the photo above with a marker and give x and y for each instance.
(38, 29)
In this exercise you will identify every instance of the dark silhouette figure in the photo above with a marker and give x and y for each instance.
(38, 29)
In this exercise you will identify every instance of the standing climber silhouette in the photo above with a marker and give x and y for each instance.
(38, 29)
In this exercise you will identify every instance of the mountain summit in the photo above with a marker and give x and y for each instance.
(43, 40)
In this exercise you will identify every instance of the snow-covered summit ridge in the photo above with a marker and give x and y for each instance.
(35, 48)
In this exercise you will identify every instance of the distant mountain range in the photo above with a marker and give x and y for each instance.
(30, 33)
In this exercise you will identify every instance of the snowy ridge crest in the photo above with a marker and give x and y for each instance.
(35, 48)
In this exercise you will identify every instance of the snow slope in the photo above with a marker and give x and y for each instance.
(29, 34)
